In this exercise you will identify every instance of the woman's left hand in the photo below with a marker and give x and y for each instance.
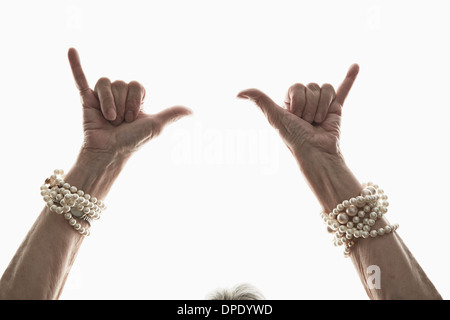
(113, 121)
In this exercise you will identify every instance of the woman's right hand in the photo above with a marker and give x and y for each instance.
(311, 118)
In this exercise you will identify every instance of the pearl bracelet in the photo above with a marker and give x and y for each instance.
(73, 204)
(354, 218)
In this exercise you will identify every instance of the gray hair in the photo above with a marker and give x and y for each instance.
(239, 292)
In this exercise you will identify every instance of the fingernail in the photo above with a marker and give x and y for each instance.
(129, 116)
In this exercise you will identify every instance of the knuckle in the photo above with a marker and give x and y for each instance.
(297, 87)
(136, 85)
(313, 86)
(328, 88)
(119, 84)
(103, 81)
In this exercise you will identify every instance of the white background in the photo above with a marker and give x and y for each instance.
(217, 199)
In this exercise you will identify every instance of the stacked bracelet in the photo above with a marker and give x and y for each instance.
(354, 218)
(72, 203)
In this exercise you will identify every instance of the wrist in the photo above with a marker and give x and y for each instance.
(328, 176)
(95, 172)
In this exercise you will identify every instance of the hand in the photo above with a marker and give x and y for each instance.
(108, 105)
(311, 118)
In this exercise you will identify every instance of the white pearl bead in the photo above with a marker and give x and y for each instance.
(367, 209)
(66, 186)
(342, 228)
(372, 190)
(371, 222)
(80, 192)
(72, 222)
(342, 218)
(366, 228)
(373, 233)
(351, 210)
(77, 226)
(387, 229)
(364, 234)
(73, 189)
(373, 215)
(355, 219)
(360, 226)
(87, 210)
(365, 193)
(340, 207)
(349, 224)
(53, 208)
(87, 196)
(67, 216)
(361, 214)
(357, 234)
(66, 209)
(380, 231)
(59, 210)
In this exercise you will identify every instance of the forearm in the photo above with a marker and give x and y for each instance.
(41, 264)
(401, 277)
